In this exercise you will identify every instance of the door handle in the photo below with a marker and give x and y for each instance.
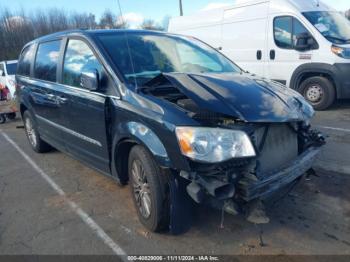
(259, 55)
(272, 54)
(50, 96)
(62, 99)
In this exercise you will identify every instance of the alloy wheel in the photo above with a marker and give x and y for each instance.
(141, 189)
(30, 132)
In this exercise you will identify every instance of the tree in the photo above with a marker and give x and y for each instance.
(20, 27)
(83, 21)
(150, 24)
(110, 21)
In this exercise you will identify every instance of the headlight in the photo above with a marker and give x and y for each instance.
(341, 51)
(213, 144)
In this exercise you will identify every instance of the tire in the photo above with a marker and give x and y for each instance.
(11, 116)
(2, 118)
(148, 188)
(319, 92)
(33, 135)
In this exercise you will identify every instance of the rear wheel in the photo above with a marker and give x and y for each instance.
(2, 118)
(147, 186)
(11, 116)
(33, 136)
(319, 92)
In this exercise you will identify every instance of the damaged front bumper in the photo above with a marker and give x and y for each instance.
(250, 189)
(239, 186)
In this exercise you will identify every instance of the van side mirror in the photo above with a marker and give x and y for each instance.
(2, 73)
(304, 42)
(89, 80)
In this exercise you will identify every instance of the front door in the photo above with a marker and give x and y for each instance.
(86, 132)
(283, 59)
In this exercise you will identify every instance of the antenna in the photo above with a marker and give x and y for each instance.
(181, 9)
(127, 44)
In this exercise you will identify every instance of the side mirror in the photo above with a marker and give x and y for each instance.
(2, 73)
(89, 80)
(304, 42)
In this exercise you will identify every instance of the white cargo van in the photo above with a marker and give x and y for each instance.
(302, 44)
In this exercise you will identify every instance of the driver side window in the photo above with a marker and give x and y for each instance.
(286, 30)
(78, 58)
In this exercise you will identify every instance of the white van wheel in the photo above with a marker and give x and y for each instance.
(319, 92)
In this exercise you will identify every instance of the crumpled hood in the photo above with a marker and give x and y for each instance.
(243, 96)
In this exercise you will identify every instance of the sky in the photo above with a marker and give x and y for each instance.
(135, 11)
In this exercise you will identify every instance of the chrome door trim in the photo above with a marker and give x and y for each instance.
(71, 132)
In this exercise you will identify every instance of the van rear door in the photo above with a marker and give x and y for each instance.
(244, 36)
(283, 59)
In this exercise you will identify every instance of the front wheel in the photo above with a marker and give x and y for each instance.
(319, 92)
(33, 136)
(148, 188)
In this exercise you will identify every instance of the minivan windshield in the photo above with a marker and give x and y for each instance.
(332, 25)
(11, 68)
(143, 56)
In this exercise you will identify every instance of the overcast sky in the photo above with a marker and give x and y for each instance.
(135, 10)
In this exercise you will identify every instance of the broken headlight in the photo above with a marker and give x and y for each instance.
(214, 144)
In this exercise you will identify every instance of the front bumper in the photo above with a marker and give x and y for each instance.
(342, 79)
(250, 189)
(248, 186)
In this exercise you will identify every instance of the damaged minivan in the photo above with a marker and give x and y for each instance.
(168, 115)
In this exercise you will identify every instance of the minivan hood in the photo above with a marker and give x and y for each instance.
(243, 96)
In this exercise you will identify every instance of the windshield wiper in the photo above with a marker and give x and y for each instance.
(150, 83)
(337, 39)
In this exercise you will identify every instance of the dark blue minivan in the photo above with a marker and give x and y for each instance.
(168, 114)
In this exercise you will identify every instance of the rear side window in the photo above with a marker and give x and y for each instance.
(78, 58)
(25, 61)
(46, 61)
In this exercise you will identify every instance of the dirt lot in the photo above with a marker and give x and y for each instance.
(53, 204)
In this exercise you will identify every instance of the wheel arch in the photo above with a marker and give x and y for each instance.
(306, 71)
(22, 109)
(135, 134)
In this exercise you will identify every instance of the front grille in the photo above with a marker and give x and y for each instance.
(278, 150)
